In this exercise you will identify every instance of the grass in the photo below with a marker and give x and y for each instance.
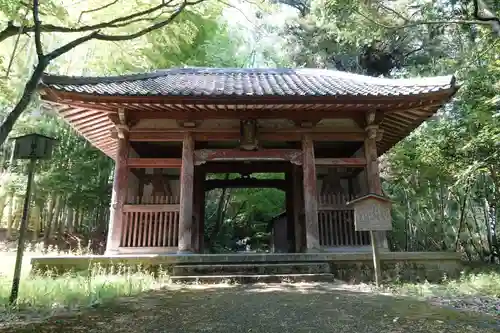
(263, 308)
(69, 291)
(47, 293)
(473, 284)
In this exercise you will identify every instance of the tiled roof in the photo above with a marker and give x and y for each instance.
(248, 82)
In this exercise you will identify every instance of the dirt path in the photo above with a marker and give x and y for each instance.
(265, 308)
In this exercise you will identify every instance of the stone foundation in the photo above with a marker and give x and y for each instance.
(352, 267)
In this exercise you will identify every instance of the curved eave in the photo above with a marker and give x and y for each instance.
(62, 95)
(89, 114)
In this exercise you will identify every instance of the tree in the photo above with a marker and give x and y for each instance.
(72, 192)
(155, 17)
(379, 37)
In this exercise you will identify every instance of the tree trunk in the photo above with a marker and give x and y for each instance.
(23, 102)
(11, 206)
(57, 211)
(70, 213)
(219, 216)
(35, 216)
(3, 202)
(47, 233)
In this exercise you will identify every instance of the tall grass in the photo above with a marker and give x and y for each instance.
(68, 291)
(485, 284)
(47, 291)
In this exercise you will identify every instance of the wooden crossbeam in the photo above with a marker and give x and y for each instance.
(229, 155)
(353, 162)
(134, 162)
(244, 183)
(234, 135)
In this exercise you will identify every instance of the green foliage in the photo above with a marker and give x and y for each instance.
(78, 175)
(46, 293)
(245, 216)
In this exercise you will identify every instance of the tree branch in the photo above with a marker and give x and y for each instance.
(482, 15)
(71, 45)
(142, 32)
(12, 29)
(401, 16)
(417, 23)
(38, 32)
(44, 60)
(96, 9)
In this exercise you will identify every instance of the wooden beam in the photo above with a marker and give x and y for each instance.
(152, 208)
(247, 167)
(298, 209)
(155, 135)
(139, 162)
(290, 223)
(310, 195)
(374, 186)
(118, 198)
(186, 195)
(198, 206)
(229, 155)
(353, 162)
(245, 183)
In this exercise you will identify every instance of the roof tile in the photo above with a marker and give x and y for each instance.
(247, 82)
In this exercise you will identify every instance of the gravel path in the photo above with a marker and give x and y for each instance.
(278, 308)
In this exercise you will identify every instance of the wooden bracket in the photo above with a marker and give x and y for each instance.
(372, 117)
(121, 123)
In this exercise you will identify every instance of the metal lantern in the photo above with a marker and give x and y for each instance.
(372, 212)
(33, 146)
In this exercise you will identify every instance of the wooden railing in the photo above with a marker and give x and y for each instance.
(154, 223)
(336, 223)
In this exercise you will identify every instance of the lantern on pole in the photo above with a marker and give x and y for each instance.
(30, 147)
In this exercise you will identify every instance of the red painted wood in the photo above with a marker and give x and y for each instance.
(372, 170)
(310, 201)
(186, 191)
(119, 196)
(342, 162)
(153, 135)
(298, 202)
(151, 208)
(207, 155)
(134, 162)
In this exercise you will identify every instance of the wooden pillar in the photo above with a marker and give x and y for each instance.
(186, 195)
(310, 195)
(118, 196)
(198, 208)
(201, 228)
(374, 186)
(290, 223)
(298, 208)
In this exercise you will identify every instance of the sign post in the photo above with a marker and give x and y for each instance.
(32, 147)
(372, 213)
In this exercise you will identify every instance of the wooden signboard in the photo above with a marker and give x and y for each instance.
(372, 212)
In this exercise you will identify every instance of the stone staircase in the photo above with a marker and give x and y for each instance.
(266, 272)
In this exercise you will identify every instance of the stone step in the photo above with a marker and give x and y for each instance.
(251, 269)
(252, 278)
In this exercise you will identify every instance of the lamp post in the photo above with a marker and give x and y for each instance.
(28, 147)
